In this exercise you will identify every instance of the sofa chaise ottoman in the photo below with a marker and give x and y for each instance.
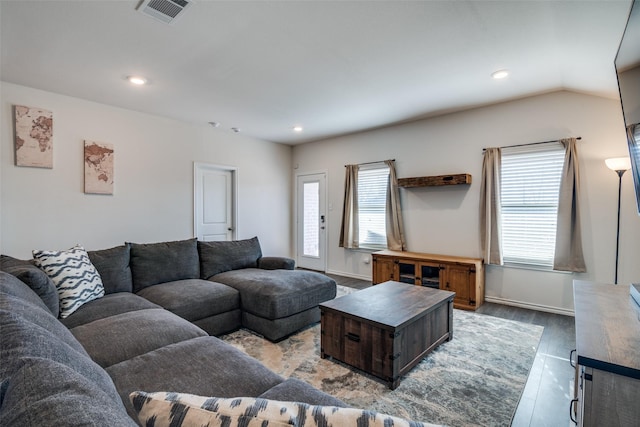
(276, 300)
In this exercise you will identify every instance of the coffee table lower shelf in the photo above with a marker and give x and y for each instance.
(359, 335)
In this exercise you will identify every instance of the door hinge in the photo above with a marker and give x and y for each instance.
(394, 357)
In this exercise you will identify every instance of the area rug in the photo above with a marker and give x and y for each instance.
(474, 380)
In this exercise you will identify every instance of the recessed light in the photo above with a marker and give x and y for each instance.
(236, 130)
(137, 80)
(500, 74)
(214, 124)
(298, 128)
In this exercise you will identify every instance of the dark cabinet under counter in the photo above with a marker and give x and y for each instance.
(608, 355)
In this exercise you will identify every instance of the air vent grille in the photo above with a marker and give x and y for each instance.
(166, 11)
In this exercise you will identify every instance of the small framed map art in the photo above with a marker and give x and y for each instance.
(98, 167)
(34, 137)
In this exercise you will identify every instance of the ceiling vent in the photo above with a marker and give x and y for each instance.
(166, 11)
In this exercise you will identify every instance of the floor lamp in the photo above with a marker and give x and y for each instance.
(620, 165)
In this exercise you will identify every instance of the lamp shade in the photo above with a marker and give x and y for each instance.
(618, 163)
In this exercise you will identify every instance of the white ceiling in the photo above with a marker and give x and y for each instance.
(334, 67)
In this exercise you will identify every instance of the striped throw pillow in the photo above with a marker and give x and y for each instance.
(75, 277)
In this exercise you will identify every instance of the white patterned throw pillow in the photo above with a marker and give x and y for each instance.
(75, 277)
(187, 410)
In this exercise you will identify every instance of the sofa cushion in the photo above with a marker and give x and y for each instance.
(273, 294)
(107, 306)
(11, 285)
(206, 366)
(124, 336)
(218, 257)
(75, 277)
(193, 299)
(154, 263)
(295, 390)
(222, 323)
(34, 316)
(22, 339)
(44, 392)
(35, 278)
(176, 409)
(113, 266)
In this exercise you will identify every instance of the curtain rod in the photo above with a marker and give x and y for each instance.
(370, 163)
(532, 143)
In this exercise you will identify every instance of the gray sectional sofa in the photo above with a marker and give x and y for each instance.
(151, 331)
(218, 286)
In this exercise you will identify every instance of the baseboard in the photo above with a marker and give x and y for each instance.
(530, 306)
(496, 300)
(350, 275)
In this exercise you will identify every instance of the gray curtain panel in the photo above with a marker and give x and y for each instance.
(349, 235)
(568, 255)
(490, 208)
(393, 214)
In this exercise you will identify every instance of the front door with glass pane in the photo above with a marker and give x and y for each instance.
(311, 221)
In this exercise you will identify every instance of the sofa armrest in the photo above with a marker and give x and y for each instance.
(276, 263)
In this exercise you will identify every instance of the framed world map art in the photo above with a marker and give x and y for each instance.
(98, 167)
(34, 137)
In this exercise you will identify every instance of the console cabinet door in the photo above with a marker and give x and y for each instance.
(384, 269)
(461, 280)
(430, 275)
(419, 273)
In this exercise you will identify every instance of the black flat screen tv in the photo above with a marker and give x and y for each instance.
(627, 64)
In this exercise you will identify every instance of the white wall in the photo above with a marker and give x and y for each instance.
(444, 220)
(153, 200)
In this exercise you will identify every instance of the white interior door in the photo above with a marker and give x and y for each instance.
(311, 221)
(214, 199)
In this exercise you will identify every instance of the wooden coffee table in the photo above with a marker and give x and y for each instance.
(387, 329)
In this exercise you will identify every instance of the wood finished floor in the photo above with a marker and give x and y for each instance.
(549, 389)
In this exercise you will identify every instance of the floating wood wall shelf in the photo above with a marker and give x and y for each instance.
(425, 181)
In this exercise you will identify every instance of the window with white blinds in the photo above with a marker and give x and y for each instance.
(372, 202)
(530, 189)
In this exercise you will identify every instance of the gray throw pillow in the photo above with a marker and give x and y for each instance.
(35, 278)
(7, 261)
(218, 257)
(113, 266)
(154, 263)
